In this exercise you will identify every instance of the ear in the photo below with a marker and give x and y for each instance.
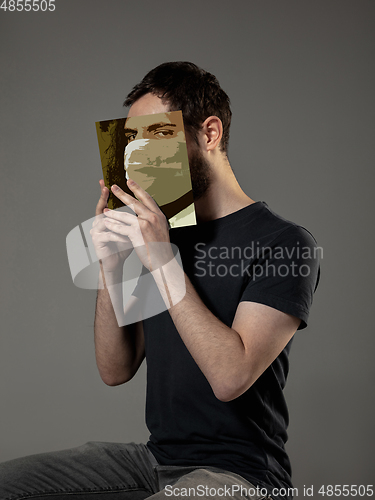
(212, 132)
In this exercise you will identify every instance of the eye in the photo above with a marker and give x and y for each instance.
(163, 133)
(131, 137)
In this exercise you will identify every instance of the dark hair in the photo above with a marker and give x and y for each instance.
(190, 89)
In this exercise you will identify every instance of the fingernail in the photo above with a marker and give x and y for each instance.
(115, 188)
(131, 182)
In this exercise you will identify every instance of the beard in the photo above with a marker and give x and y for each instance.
(200, 171)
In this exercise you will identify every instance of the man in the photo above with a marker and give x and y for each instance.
(217, 359)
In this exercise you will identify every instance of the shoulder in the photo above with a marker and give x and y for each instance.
(281, 230)
(284, 269)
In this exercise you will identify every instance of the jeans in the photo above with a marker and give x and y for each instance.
(115, 471)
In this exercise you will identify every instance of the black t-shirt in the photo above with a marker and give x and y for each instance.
(250, 255)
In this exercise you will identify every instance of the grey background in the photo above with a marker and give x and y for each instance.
(300, 75)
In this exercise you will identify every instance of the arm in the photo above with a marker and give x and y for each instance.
(119, 350)
(231, 358)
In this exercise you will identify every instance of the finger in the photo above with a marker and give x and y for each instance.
(115, 237)
(102, 203)
(130, 201)
(117, 227)
(102, 237)
(143, 196)
(137, 206)
(124, 217)
(98, 222)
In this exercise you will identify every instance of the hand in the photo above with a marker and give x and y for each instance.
(111, 248)
(147, 230)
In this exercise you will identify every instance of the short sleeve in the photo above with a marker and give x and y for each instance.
(284, 274)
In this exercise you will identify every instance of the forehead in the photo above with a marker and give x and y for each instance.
(144, 121)
(148, 104)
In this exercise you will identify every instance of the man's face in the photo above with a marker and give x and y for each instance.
(157, 161)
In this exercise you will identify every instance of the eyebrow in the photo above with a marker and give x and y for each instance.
(158, 125)
(151, 128)
(127, 130)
